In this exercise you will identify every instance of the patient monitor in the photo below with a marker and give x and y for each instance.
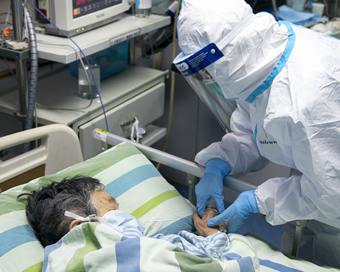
(78, 16)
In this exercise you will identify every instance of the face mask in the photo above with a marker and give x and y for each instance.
(115, 219)
(122, 219)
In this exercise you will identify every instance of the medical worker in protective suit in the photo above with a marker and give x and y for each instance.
(285, 81)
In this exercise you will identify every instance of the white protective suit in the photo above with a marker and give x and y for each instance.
(287, 81)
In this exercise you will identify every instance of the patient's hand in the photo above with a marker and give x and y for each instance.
(201, 223)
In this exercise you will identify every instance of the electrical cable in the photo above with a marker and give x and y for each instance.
(27, 17)
(94, 80)
(32, 91)
(36, 122)
(34, 69)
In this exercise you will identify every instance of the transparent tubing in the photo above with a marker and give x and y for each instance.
(85, 88)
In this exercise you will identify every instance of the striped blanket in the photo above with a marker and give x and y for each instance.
(96, 247)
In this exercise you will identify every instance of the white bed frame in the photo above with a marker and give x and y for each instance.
(60, 148)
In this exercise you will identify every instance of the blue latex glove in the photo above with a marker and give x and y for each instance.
(237, 212)
(211, 185)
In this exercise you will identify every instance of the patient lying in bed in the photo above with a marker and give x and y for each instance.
(72, 245)
(59, 207)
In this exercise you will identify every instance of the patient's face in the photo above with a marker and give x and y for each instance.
(103, 202)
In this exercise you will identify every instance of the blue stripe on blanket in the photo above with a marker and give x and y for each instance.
(131, 179)
(128, 255)
(48, 250)
(13, 238)
(278, 267)
(245, 263)
(185, 223)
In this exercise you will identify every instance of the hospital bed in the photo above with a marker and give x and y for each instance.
(128, 175)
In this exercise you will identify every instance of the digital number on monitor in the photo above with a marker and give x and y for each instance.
(83, 7)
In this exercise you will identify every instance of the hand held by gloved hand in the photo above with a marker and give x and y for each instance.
(237, 212)
(211, 185)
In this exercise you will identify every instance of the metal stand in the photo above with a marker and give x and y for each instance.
(274, 8)
(192, 181)
(300, 224)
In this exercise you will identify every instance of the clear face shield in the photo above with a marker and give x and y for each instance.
(198, 70)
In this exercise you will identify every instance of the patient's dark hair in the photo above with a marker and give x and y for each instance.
(46, 207)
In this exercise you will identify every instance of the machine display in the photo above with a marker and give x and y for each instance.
(78, 16)
(83, 7)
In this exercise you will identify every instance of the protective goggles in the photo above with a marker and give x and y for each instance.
(198, 70)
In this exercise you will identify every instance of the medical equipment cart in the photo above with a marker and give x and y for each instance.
(137, 91)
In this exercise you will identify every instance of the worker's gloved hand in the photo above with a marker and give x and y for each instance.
(211, 185)
(237, 212)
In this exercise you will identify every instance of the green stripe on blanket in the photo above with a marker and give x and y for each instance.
(189, 263)
(34, 268)
(92, 244)
(138, 213)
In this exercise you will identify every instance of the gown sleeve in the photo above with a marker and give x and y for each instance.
(238, 148)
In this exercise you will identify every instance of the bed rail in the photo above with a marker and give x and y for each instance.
(59, 148)
(172, 161)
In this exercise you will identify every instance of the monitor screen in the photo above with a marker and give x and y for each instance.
(83, 7)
